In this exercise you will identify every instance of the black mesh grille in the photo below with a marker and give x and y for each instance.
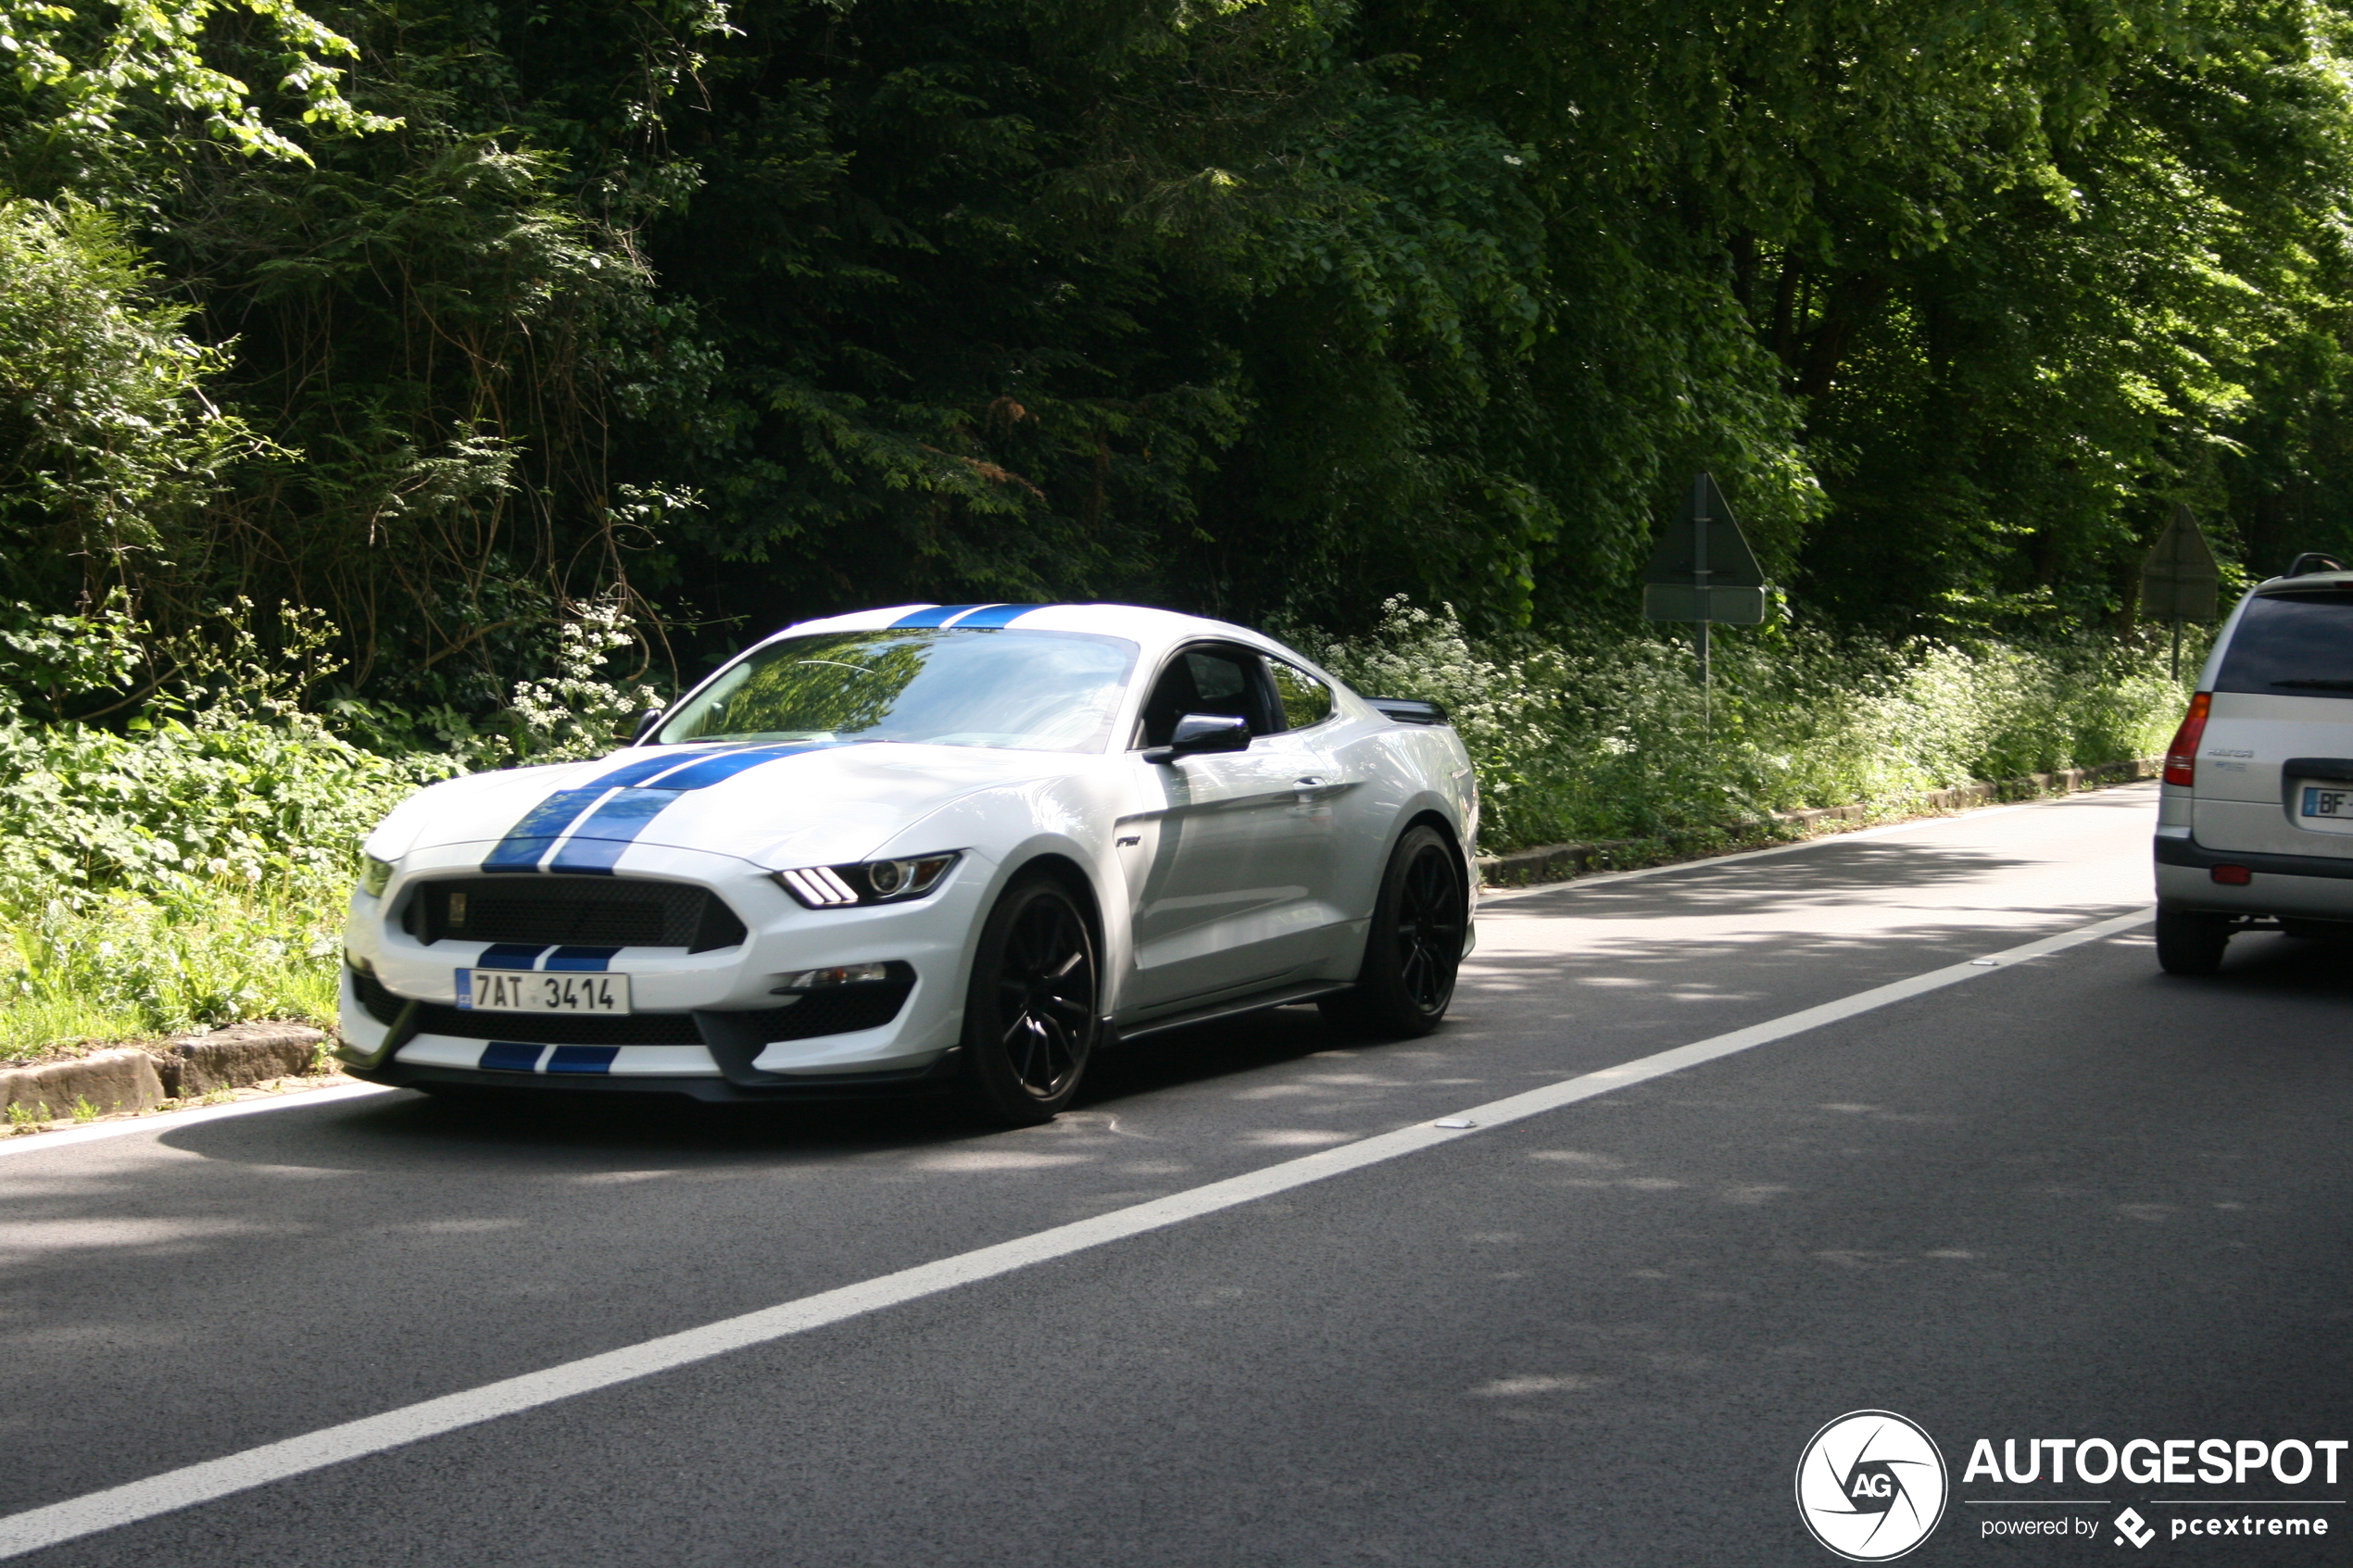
(382, 1005)
(820, 1012)
(833, 1012)
(593, 911)
(561, 1029)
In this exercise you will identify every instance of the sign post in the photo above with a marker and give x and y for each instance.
(1703, 570)
(2179, 580)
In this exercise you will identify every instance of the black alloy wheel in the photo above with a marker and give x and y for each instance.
(1415, 946)
(1031, 1016)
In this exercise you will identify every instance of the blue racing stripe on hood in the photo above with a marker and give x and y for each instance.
(937, 615)
(603, 819)
(529, 840)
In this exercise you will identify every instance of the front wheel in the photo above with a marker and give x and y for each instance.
(1415, 946)
(1031, 1014)
(2189, 942)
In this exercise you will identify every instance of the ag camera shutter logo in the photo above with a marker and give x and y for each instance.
(1871, 1485)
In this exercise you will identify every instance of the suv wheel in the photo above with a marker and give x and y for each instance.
(2190, 943)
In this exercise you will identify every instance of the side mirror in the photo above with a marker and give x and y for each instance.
(646, 722)
(1199, 732)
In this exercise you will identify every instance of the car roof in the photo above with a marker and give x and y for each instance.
(2308, 581)
(1138, 623)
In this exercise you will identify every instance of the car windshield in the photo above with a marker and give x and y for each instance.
(2298, 644)
(1023, 690)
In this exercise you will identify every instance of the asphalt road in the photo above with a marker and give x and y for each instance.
(2069, 1198)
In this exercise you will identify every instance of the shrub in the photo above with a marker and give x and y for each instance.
(1615, 739)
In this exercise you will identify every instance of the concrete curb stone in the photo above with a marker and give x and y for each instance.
(183, 1067)
(1563, 862)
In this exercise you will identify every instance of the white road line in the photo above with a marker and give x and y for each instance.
(38, 1528)
(1975, 813)
(164, 1122)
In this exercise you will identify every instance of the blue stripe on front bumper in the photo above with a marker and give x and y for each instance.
(580, 959)
(512, 955)
(582, 1059)
(510, 1056)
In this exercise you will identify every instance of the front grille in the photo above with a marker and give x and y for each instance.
(590, 911)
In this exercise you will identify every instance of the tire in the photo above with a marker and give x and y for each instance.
(2190, 943)
(1032, 1013)
(1406, 982)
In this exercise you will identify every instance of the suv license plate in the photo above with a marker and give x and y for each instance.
(2328, 802)
(507, 990)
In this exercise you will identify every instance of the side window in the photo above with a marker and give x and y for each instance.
(1305, 699)
(1212, 678)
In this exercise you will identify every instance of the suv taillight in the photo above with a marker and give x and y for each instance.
(2181, 757)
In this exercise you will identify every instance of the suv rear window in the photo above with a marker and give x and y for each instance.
(2292, 645)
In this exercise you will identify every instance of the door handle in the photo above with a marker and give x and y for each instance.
(1311, 781)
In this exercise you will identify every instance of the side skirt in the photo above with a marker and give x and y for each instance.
(1306, 991)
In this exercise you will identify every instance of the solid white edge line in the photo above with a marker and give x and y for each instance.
(164, 1120)
(38, 1528)
(1911, 824)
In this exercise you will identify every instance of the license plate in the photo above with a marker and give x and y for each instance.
(509, 990)
(2321, 802)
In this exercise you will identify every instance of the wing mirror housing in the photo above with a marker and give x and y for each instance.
(646, 722)
(1199, 733)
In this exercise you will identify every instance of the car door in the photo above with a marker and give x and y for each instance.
(1235, 850)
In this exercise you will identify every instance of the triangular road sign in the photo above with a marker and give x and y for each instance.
(2179, 580)
(1703, 569)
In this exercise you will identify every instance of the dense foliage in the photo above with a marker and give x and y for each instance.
(478, 344)
(438, 316)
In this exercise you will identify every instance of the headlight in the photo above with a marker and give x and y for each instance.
(876, 882)
(374, 875)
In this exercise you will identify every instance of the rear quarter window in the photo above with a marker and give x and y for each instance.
(2292, 645)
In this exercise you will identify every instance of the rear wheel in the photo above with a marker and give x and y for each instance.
(1031, 1015)
(2191, 943)
(1415, 947)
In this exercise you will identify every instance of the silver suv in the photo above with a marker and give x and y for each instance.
(2256, 824)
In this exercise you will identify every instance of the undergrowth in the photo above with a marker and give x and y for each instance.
(192, 871)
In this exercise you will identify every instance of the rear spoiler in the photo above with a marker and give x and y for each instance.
(1407, 710)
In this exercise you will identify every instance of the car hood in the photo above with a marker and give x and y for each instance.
(776, 806)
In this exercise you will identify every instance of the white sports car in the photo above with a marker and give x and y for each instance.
(937, 847)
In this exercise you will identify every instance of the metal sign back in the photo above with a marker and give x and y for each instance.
(1703, 569)
(2180, 580)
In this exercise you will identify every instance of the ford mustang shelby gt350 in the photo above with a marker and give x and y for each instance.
(943, 846)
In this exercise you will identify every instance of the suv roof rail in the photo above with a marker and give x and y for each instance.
(2311, 561)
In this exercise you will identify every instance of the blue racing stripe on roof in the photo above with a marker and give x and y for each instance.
(996, 615)
(937, 615)
(589, 960)
(582, 1059)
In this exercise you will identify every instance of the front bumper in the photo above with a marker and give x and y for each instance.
(707, 1022)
